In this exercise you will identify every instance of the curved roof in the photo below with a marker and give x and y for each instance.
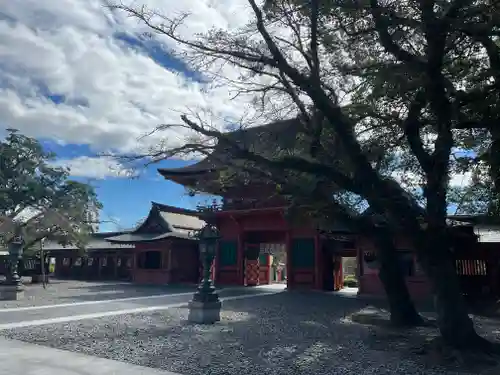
(163, 222)
(131, 238)
(263, 139)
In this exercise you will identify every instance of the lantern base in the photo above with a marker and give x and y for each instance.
(11, 292)
(204, 312)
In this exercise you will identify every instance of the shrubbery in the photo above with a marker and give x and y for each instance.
(351, 281)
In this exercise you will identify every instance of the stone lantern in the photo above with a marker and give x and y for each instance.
(205, 306)
(13, 289)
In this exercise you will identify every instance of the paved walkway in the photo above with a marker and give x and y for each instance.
(22, 358)
(19, 358)
(19, 317)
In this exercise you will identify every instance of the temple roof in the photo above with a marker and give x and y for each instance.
(147, 237)
(162, 222)
(264, 140)
(97, 241)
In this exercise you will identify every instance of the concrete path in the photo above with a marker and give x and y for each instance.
(19, 358)
(19, 317)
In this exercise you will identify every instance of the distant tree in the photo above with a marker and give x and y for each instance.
(39, 200)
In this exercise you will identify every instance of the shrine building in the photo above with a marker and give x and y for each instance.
(161, 250)
(253, 224)
(254, 227)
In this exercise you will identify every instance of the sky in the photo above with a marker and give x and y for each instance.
(85, 81)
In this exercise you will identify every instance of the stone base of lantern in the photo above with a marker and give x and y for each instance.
(11, 292)
(204, 312)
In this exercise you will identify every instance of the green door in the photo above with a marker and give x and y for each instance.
(302, 253)
(228, 253)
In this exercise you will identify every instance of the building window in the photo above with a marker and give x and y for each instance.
(149, 260)
(78, 262)
(90, 262)
(65, 262)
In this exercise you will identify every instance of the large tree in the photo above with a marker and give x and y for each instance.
(38, 200)
(412, 75)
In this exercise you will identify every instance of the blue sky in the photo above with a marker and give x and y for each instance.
(127, 200)
(86, 81)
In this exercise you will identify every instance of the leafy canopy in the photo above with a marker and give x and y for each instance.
(37, 199)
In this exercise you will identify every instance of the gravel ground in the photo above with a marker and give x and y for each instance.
(288, 333)
(67, 291)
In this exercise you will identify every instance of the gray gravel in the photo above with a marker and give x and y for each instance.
(67, 291)
(288, 333)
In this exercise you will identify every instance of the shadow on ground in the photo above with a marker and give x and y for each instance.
(286, 333)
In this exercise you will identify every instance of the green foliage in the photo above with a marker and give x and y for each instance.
(351, 281)
(38, 199)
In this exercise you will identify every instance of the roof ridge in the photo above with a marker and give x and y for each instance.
(175, 210)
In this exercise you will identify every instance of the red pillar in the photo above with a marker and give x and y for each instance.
(318, 279)
(265, 270)
(359, 269)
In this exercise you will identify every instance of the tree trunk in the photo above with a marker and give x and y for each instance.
(402, 308)
(457, 329)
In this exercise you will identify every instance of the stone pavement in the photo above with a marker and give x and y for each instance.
(262, 331)
(291, 333)
(29, 316)
(19, 358)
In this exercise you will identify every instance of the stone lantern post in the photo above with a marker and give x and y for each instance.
(13, 289)
(205, 306)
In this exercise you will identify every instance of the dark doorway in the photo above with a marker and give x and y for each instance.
(328, 268)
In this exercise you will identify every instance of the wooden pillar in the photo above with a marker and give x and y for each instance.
(241, 258)
(492, 271)
(169, 265)
(135, 253)
(115, 264)
(99, 266)
(318, 275)
(289, 276)
(215, 276)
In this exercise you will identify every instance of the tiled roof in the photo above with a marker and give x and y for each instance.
(97, 241)
(162, 222)
(263, 139)
(180, 221)
(147, 237)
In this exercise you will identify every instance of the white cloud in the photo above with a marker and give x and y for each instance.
(96, 167)
(114, 93)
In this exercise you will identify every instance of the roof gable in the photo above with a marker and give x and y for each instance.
(163, 222)
(153, 224)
